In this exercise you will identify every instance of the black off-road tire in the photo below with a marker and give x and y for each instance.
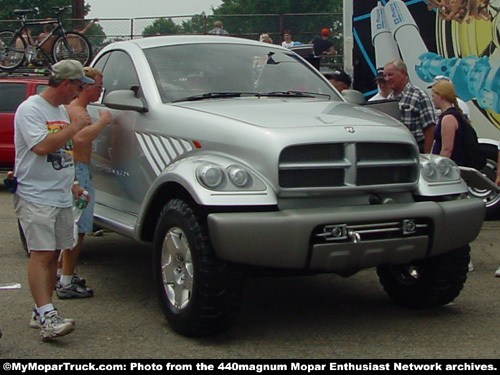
(429, 282)
(199, 294)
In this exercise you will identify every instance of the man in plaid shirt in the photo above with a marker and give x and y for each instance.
(417, 111)
(218, 30)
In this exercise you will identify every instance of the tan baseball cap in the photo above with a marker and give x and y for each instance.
(70, 69)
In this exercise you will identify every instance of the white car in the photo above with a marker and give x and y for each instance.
(232, 155)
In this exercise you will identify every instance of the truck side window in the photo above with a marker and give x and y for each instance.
(12, 95)
(119, 73)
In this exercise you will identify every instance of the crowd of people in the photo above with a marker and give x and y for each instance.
(321, 44)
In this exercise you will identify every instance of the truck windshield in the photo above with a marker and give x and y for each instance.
(209, 71)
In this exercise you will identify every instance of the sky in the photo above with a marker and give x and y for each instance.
(149, 8)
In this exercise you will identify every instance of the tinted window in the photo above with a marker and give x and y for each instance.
(12, 95)
(119, 73)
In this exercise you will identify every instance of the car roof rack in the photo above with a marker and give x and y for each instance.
(26, 72)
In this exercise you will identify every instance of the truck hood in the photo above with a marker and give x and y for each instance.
(291, 113)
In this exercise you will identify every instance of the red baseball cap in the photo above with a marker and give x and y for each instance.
(325, 32)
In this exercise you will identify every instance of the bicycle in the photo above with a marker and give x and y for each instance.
(14, 48)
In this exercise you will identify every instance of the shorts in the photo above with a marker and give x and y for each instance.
(84, 178)
(46, 228)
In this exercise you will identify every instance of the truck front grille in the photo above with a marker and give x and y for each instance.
(347, 165)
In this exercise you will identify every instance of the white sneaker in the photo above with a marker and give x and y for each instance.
(497, 272)
(52, 325)
(35, 320)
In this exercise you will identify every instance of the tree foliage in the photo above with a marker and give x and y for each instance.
(7, 7)
(96, 34)
(249, 18)
(297, 16)
(278, 6)
(162, 26)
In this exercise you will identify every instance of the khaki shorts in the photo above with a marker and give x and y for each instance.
(46, 228)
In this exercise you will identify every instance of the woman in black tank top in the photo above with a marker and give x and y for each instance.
(448, 131)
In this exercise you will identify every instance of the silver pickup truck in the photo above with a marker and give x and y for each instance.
(233, 156)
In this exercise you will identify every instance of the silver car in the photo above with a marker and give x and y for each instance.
(234, 156)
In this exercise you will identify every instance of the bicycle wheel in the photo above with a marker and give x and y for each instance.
(72, 46)
(11, 50)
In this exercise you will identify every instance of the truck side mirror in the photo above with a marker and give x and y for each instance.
(125, 100)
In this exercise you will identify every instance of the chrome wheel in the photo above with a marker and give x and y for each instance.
(490, 197)
(177, 268)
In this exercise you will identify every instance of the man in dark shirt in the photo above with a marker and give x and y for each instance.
(321, 44)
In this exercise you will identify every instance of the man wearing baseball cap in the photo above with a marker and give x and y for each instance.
(383, 89)
(45, 173)
(321, 44)
(339, 79)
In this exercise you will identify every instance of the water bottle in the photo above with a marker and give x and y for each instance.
(83, 200)
(10, 182)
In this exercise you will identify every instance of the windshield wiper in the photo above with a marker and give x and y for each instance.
(215, 95)
(234, 94)
(294, 94)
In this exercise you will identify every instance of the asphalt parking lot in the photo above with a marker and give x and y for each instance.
(323, 316)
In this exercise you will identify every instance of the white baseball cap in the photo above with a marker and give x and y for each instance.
(438, 79)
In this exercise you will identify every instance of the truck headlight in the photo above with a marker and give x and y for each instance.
(238, 176)
(435, 168)
(447, 167)
(429, 170)
(229, 177)
(210, 175)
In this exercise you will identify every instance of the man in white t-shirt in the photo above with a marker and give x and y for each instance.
(287, 39)
(383, 89)
(45, 192)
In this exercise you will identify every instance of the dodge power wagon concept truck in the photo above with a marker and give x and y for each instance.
(235, 156)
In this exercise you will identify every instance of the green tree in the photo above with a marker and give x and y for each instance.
(95, 35)
(278, 6)
(7, 7)
(162, 26)
(195, 25)
(315, 15)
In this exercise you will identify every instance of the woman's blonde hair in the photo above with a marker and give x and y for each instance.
(265, 38)
(446, 90)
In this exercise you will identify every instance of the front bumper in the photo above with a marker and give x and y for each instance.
(289, 238)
